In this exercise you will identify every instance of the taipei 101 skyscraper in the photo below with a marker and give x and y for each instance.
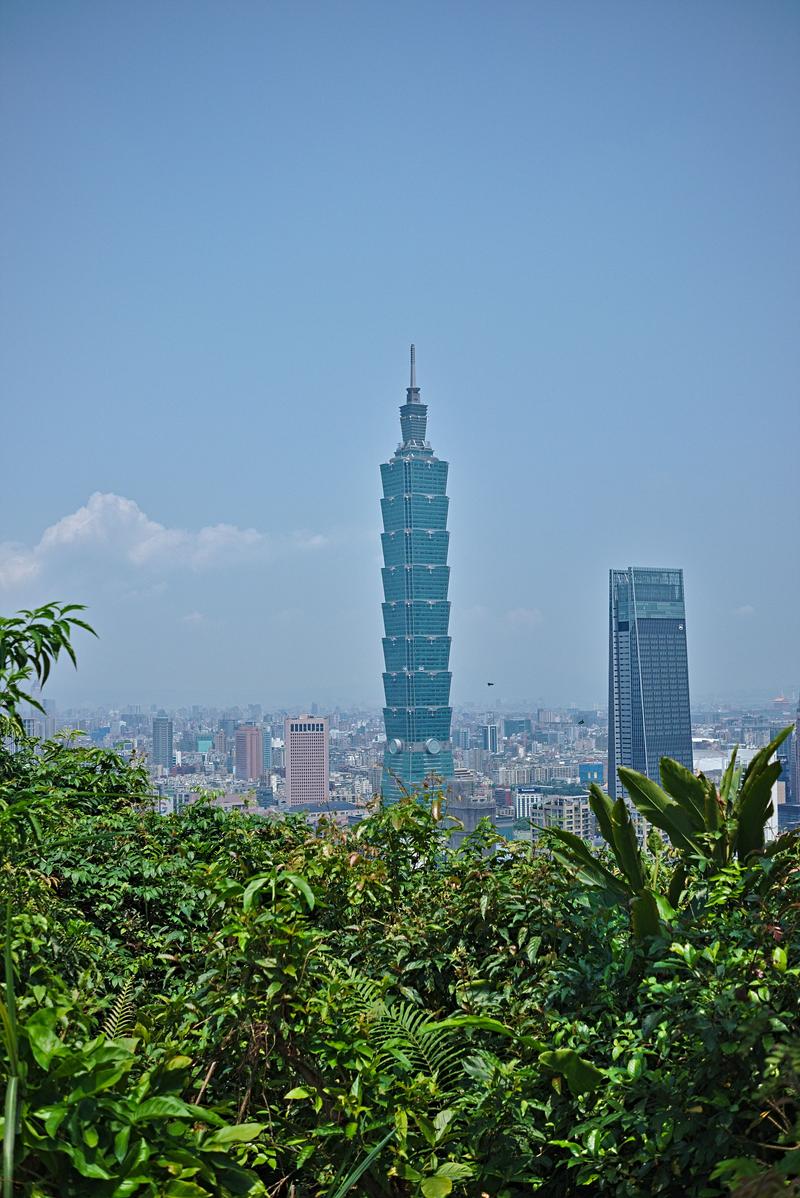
(416, 611)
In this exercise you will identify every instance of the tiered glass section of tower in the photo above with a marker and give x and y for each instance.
(416, 610)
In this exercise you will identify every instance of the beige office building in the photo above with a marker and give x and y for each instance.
(249, 753)
(307, 763)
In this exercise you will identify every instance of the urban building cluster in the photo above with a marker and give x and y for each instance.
(524, 770)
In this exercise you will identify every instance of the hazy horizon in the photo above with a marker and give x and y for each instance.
(221, 228)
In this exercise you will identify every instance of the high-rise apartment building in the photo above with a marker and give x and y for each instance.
(307, 762)
(249, 753)
(490, 738)
(461, 738)
(162, 741)
(416, 610)
(266, 733)
(648, 674)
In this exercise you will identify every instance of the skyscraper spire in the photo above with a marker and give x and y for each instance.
(412, 392)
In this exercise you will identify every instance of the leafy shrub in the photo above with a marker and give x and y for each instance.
(214, 1004)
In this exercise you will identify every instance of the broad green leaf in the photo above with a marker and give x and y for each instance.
(178, 1062)
(297, 1093)
(185, 1189)
(53, 1117)
(86, 1167)
(644, 915)
(677, 884)
(238, 1133)
(121, 1141)
(252, 889)
(442, 1121)
(582, 1077)
(40, 1030)
(167, 1106)
(436, 1187)
(455, 1170)
(779, 958)
(666, 910)
(657, 807)
(302, 885)
(686, 789)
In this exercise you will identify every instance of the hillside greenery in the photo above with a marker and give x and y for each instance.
(219, 1004)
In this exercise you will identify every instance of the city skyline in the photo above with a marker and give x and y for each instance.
(590, 226)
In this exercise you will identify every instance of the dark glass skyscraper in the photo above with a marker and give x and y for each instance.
(416, 611)
(162, 741)
(648, 674)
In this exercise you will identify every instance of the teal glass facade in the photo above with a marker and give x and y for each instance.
(416, 610)
(648, 673)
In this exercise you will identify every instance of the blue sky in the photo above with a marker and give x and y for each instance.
(222, 224)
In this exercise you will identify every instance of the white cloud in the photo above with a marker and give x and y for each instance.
(193, 617)
(744, 611)
(116, 530)
(17, 564)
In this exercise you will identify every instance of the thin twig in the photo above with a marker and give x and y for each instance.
(206, 1080)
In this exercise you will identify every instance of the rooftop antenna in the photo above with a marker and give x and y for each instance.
(413, 367)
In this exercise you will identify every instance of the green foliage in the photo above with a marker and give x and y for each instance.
(29, 644)
(216, 1004)
(706, 829)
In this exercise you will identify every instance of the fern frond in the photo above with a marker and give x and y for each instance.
(357, 998)
(437, 1052)
(122, 1016)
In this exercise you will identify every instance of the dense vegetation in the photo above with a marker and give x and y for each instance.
(215, 1004)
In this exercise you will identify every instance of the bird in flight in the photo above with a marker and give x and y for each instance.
(490, 684)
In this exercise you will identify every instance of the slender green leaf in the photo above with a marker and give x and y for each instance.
(360, 1169)
(686, 789)
(602, 806)
(657, 807)
(575, 855)
(625, 845)
(754, 810)
(727, 789)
